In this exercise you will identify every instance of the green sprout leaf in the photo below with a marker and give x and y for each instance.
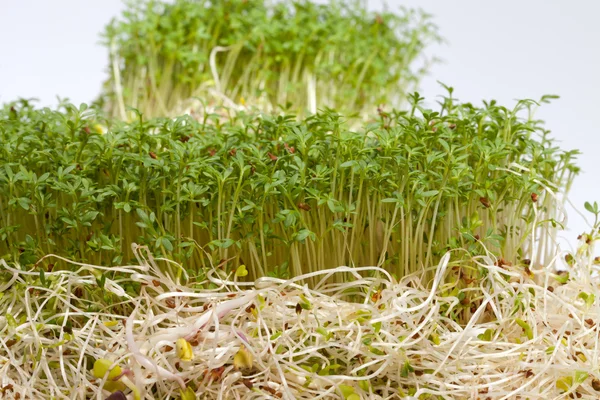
(487, 336)
(588, 298)
(564, 383)
(406, 369)
(187, 394)
(184, 350)
(241, 271)
(101, 368)
(243, 358)
(347, 391)
(526, 328)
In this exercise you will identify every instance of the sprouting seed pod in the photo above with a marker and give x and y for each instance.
(528, 373)
(248, 383)
(243, 358)
(569, 260)
(216, 374)
(304, 206)
(152, 155)
(273, 157)
(170, 303)
(486, 203)
(534, 197)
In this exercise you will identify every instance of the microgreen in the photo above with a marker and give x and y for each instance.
(330, 348)
(227, 193)
(293, 54)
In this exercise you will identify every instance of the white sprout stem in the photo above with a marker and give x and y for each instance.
(145, 361)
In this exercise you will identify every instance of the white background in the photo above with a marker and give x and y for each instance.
(503, 50)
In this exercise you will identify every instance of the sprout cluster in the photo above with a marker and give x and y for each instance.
(402, 254)
(294, 54)
(270, 195)
(520, 333)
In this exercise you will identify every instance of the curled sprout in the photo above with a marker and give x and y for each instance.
(509, 332)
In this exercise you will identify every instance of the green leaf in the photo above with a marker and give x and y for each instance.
(334, 206)
(562, 278)
(444, 144)
(142, 214)
(12, 322)
(42, 277)
(526, 328)
(364, 385)
(377, 327)
(102, 367)
(223, 244)
(24, 203)
(187, 394)
(276, 335)
(346, 390)
(406, 369)
(429, 193)
(324, 332)
(243, 359)
(547, 97)
(241, 271)
(589, 299)
(588, 207)
(580, 376)
(303, 234)
(487, 336)
(564, 383)
(167, 244)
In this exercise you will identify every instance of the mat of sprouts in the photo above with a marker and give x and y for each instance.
(523, 333)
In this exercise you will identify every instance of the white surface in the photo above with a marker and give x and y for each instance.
(495, 50)
(516, 49)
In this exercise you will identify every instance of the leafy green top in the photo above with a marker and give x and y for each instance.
(277, 195)
(294, 53)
